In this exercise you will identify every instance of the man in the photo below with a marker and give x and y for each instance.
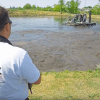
(84, 17)
(76, 18)
(80, 18)
(16, 67)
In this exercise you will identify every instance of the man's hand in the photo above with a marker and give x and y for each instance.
(37, 82)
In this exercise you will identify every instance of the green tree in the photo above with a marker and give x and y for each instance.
(27, 6)
(96, 10)
(88, 7)
(19, 8)
(61, 3)
(73, 6)
(49, 8)
(56, 8)
(33, 7)
(38, 8)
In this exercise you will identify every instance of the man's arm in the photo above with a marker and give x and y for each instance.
(37, 82)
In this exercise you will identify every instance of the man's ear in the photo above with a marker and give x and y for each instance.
(7, 27)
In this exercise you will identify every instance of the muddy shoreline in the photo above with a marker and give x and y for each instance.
(58, 51)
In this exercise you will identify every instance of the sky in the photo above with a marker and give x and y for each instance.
(43, 3)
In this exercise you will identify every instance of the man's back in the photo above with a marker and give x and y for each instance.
(16, 69)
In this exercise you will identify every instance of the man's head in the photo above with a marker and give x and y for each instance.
(5, 23)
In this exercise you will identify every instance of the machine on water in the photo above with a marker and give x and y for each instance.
(80, 20)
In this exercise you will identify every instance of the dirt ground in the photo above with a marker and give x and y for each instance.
(58, 51)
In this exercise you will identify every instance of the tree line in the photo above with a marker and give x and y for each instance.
(62, 6)
(96, 10)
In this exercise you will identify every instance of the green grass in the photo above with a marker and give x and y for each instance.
(68, 85)
(30, 13)
(35, 13)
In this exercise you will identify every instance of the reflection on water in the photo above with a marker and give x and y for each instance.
(47, 24)
(61, 19)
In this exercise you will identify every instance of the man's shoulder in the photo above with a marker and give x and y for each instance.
(19, 51)
(8, 47)
(14, 50)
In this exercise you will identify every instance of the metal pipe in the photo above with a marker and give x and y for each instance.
(89, 16)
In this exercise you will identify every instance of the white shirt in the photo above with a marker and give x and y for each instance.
(16, 71)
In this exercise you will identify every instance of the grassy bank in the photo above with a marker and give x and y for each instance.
(97, 17)
(68, 85)
(30, 13)
(33, 13)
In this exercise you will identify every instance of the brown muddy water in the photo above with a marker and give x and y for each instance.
(55, 47)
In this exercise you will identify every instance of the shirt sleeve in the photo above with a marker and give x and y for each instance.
(28, 70)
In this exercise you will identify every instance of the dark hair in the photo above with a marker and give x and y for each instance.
(3, 17)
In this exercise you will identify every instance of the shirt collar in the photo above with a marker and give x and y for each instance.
(3, 39)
